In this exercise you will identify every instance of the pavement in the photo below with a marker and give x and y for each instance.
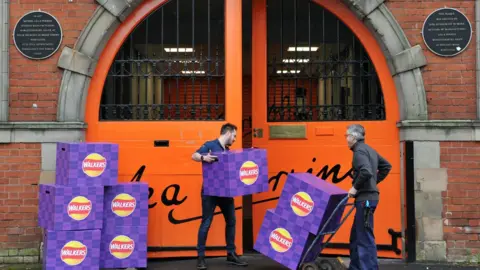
(260, 262)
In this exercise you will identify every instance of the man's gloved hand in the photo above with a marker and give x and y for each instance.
(352, 192)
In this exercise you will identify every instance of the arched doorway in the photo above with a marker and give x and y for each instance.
(316, 69)
(168, 96)
(159, 92)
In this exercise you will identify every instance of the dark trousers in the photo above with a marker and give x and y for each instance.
(227, 206)
(363, 250)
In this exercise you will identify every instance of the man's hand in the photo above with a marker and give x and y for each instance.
(209, 158)
(352, 192)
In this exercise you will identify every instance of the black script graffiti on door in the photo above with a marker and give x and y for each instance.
(324, 173)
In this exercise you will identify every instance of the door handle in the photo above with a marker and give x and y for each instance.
(258, 132)
(161, 143)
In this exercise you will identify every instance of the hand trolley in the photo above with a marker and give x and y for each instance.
(324, 264)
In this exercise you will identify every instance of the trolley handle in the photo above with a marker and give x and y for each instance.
(342, 203)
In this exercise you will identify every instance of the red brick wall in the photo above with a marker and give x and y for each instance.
(19, 174)
(462, 199)
(449, 82)
(37, 82)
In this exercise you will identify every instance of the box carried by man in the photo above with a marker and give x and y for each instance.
(236, 173)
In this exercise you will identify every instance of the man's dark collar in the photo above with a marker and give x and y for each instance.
(361, 141)
(226, 146)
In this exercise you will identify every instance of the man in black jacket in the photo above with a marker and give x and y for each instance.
(369, 169)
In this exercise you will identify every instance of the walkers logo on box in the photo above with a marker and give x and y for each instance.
(94, 165)
(281, 240)
(123, 205)
(249, 173)
(73, 253)
(122, 246)
(79, 208)
(302, 204)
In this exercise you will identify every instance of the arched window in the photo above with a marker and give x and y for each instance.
(171, 67)
(317, 69)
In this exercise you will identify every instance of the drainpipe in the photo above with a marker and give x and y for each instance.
(477, 29)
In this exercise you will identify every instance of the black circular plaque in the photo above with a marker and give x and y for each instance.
(447, 32)
(37, 35)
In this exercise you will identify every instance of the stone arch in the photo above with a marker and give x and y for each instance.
(79, 62)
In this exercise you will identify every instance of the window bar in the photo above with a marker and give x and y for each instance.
(369, 95)
(216, 73)
(147, 75)
(208, 61)
(161, 106)
(192, 63)
(338, 76)
(362, 103)
(310, 77)
(177, 106)
(201, 81)
(295, 76)
(325, 72)
(281, 78)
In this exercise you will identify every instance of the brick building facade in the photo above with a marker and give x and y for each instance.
(44, 102)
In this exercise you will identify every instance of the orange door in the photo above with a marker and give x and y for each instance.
(159, 151)
(313, 139)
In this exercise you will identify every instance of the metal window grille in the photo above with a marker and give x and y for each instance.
(317, 68)
(171, 67)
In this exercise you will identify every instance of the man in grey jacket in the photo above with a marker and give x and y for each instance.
(369, 169)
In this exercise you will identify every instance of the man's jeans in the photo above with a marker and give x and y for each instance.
(227, 206)
(363, 250)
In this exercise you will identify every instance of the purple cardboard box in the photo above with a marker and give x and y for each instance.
(236, 173)
(63, 208)
(284, 241)
(123, 247)
(126, 204)
(71, 249)
(309, 201)
(87, 164)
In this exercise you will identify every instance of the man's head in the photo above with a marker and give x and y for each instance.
(228, 133)
(354, 134)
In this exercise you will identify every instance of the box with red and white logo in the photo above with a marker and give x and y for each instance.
(309, 201)
(123, 247)
(126, 204)
(71, 249)
(64, 208)
(236, 173)
(87, 164)
(284, 241)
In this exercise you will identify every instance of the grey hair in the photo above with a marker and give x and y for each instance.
(357, 131)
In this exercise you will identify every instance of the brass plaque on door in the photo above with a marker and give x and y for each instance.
(288, 132)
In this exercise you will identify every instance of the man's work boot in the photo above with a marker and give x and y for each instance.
(201, 263)
(233, 258)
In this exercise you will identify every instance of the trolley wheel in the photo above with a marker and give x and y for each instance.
(310, 266)
(324, 265)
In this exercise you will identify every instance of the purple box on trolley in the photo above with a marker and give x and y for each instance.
(63, 208)
(123, 247)
(126, 204)
(284, 241)
(236, 173)
(71, 249)
(309, 201)
(87, 164)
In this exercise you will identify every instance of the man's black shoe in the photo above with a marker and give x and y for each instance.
(233, 258)
(201, 263)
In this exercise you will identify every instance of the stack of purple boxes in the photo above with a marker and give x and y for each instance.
(305, 205)
(73, 211)
(236, 173)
